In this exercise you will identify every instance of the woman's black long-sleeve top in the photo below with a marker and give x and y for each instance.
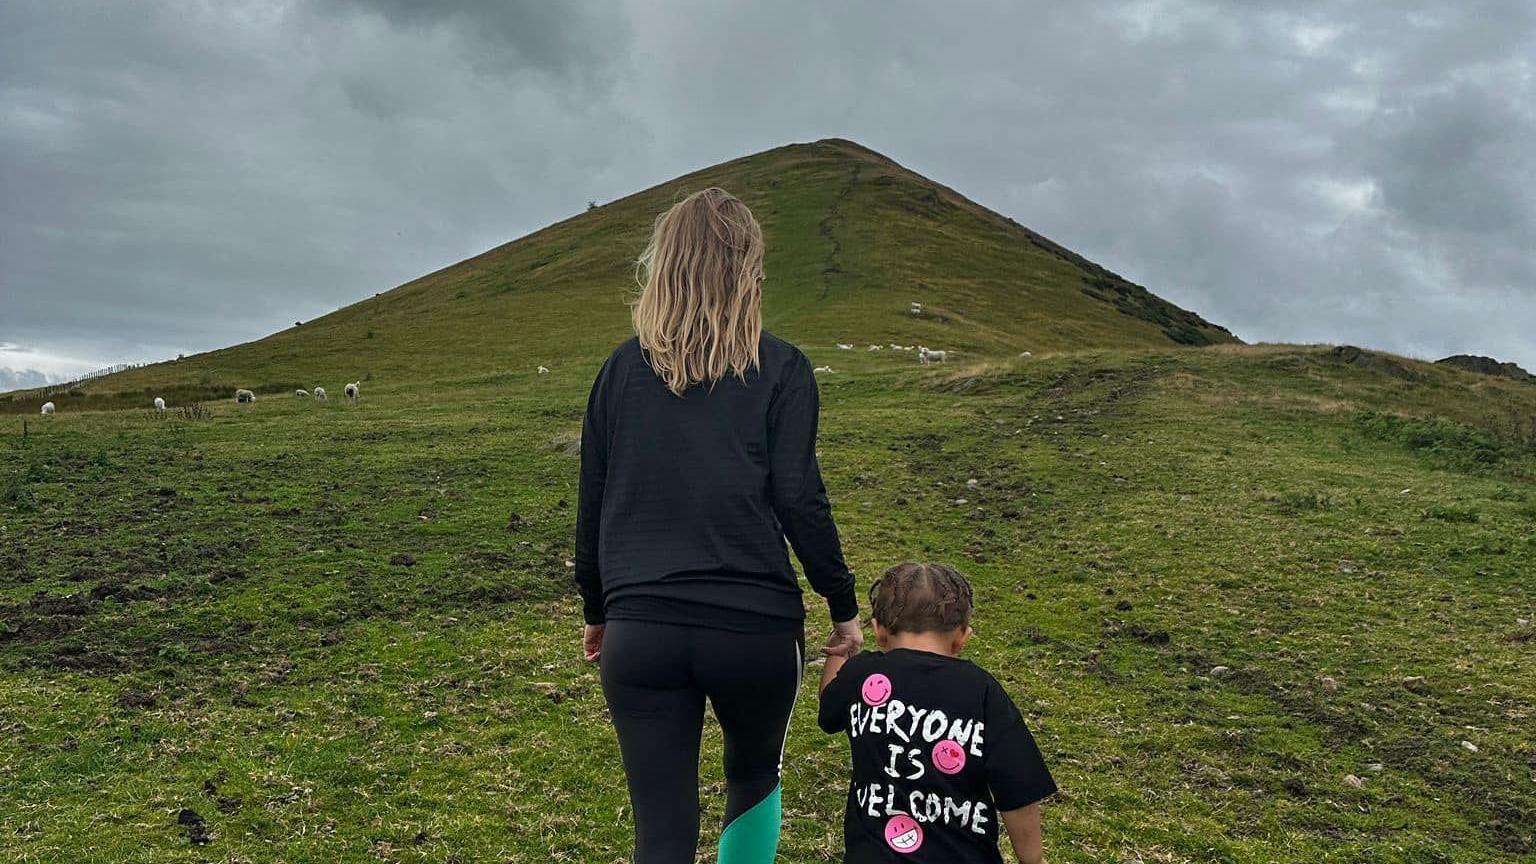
(685, 501)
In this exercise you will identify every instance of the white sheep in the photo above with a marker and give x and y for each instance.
(243, 396)
(1025, 354)
(916, 308)
(928, 355)
(895, 347)
(319, 394)
(301, 393)
(842, 347)
(543, 370)
(353, 390)
(874, 347)
(159, 404)
(819, 369)
(47, 409)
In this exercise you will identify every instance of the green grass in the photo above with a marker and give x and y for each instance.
(206, 611)
(347, 632)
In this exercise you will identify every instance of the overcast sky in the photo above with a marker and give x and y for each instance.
(178, 176)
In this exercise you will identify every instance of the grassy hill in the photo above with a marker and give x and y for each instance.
(1220, 581)
(853, 239)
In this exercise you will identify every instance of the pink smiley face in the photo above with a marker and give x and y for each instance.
(877, 689)
(903, 834)
(948, 757)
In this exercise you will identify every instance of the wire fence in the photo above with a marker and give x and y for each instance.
(65, 386)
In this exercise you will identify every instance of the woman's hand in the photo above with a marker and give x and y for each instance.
(846, 640)
(592, 642)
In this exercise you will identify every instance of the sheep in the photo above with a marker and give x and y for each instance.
(319, 394)
(352, 390)
(819, 369)
(916, 308)
(543, 370)
(928, 355)
(895, 347)
(243, 396)
(874, 348)
(159, 404)
(842, 347)
(301, 393)
(47, 409)
(1025, 354)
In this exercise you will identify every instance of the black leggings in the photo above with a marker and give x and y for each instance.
(656, 677)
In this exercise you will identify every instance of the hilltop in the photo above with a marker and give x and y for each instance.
(853, 238)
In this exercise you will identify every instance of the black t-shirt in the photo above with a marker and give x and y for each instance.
(938, 751)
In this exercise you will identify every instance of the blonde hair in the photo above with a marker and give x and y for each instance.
(699, 313)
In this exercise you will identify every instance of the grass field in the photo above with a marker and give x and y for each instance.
(347, 632)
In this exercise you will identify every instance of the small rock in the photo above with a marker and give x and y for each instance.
(1469, 746)
(403, 559)
(1124, 606)
(1330, 685)
(972, 483)
(1416, 684)
(1353, 781)
(1295, 787)
(1218, 671)
(1375, 767)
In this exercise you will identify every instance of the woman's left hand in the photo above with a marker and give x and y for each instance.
(592, 642)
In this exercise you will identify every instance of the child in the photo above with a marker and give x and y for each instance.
(940, 753)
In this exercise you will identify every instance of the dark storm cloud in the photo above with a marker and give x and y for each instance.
(182, 176)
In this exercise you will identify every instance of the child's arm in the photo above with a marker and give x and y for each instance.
(829, 671)
(1024, 833)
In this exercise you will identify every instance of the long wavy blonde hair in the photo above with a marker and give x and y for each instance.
(699, 313)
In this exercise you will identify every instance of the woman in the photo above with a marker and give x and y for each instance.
(698, 458)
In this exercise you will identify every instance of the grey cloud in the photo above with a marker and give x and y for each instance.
(21, 379)
(181, 179)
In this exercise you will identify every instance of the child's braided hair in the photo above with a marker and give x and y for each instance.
(921, 598)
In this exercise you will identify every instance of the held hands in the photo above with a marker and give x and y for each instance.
(592, 642)
(847, 639)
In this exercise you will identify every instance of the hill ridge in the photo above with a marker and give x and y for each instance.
(854, 236)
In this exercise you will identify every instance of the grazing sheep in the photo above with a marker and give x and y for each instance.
(352, 390)
(819, 369)
(874, 348)
(319, 394)
(159, 404)
(543, 370)
(303, 393)
(916, 308)
(1025, 354)
(243, 396)
(47, 409)
(842, 347)
(928, 355)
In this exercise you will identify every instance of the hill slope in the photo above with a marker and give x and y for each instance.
(853, 238)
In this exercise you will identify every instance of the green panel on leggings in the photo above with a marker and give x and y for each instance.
(753, 837)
